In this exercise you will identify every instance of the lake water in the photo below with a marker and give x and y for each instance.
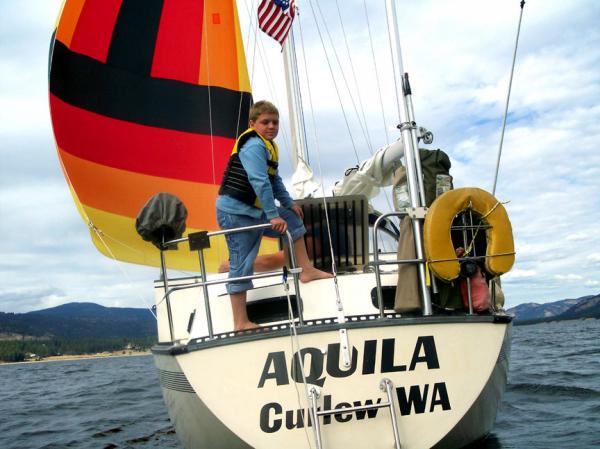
(552, 400)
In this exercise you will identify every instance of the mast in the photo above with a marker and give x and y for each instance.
(408, 130)
(294, 101)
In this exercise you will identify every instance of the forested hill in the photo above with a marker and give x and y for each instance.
(78, 320)
(566, 309)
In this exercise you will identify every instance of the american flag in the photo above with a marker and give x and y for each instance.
(275, 18)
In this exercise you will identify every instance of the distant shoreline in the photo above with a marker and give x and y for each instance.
(65, 358)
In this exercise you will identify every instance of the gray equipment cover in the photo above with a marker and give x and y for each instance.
(161, 219)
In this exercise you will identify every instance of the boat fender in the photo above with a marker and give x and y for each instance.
(439, 250)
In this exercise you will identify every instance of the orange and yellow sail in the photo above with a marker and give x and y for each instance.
(146, 97)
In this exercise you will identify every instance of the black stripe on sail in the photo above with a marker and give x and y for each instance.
(134, 36)
(89, 84)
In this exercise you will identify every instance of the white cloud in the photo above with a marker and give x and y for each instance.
(517, 273)
(459, 73)
(579, 236)
(568, 277)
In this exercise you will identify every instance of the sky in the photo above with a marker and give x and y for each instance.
(458, 55)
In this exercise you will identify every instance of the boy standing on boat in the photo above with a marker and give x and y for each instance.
(250, 186)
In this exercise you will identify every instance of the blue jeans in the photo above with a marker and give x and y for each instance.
(243, 246)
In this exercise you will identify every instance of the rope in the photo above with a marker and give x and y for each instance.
(99, 233)
(238, 131)
(453, 259)
(493, 209)
(481, 219)
(512, 70)
(212, 146)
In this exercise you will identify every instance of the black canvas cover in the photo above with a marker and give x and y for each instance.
(161, 219)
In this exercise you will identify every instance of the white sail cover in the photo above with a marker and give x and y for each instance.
(372, 173)
(302, 181)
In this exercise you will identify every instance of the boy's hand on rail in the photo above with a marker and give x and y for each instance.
(279, 224)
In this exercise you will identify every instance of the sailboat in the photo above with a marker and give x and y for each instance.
(149, 97)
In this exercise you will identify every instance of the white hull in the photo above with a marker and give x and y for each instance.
(448, 375)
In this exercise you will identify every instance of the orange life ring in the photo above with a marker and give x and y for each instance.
(439, 250)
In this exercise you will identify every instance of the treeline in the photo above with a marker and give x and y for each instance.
(76, 321)
(19, 350)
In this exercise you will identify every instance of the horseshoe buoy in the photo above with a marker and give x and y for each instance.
(439, 250)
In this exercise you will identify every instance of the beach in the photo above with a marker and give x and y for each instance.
(99, 355)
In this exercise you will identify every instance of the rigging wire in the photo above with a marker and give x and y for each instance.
(360, 103)
(386, 193)
(296, 350)
(250, 33)
(334, 83)
(346, 84)
(387, 137)
(512, 70)
(317, 146)
(299, 22)
(258, 43)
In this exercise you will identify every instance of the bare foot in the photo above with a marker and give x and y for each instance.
(312, 274)
(224, 267)
(245, 326)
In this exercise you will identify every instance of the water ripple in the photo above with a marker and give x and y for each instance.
(555, 390)
(552, 400)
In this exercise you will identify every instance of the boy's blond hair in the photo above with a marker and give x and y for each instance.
(262, 107)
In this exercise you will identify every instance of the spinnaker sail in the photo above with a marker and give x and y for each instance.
(147, 97)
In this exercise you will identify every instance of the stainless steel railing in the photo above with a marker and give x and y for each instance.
(376, 263)
(204, 284)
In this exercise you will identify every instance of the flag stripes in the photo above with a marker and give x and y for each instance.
(275, 18)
